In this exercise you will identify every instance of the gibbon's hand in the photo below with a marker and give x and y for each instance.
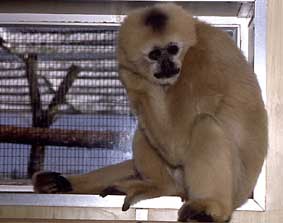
(51, 183)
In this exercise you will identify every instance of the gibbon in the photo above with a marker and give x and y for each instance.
(202, 125)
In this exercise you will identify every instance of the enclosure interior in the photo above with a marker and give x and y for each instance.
(62, 79)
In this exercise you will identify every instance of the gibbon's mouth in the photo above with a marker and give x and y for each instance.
(167, 73)
(167, 81)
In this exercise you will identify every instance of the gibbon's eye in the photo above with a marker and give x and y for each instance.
(173, 49)
(155, 54)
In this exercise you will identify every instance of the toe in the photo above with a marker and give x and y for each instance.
(112, 190)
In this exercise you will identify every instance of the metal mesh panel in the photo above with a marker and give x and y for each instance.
(61, 78)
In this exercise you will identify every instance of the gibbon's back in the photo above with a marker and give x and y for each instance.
(216, 66)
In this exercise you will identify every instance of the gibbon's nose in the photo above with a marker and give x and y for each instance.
(168, 69)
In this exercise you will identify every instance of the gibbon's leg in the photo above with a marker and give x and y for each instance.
(90, 183)
(156, 178)
(208, 174)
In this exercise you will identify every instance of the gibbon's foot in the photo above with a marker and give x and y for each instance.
(129, 200)
(133, 189)
(112, 190)
(50, 182)
(202, 211)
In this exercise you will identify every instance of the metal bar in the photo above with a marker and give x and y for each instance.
(260, 70)
(111, 201)
(211, 1)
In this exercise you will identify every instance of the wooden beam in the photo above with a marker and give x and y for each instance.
(61, 137)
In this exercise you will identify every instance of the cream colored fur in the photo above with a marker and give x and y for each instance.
(202, 136)
(211, 122)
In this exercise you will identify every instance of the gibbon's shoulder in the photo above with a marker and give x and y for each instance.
(213, 38)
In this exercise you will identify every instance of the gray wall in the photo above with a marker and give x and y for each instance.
(112, 7)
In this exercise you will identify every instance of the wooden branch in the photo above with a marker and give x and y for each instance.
(8, 49)
(50, 88)
(31, 62)
(60, 137)
(36, 159)
(37, 151)
(61, 93)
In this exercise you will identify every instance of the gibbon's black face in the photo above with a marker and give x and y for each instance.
(164, 62)
(165, 51)
(164, 58)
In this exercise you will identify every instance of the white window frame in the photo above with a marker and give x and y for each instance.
(9, 195)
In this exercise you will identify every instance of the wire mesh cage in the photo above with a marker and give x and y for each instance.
(62, 107)
(60, 83)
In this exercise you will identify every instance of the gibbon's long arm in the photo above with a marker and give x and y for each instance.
(214, 168)
(94, 182)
